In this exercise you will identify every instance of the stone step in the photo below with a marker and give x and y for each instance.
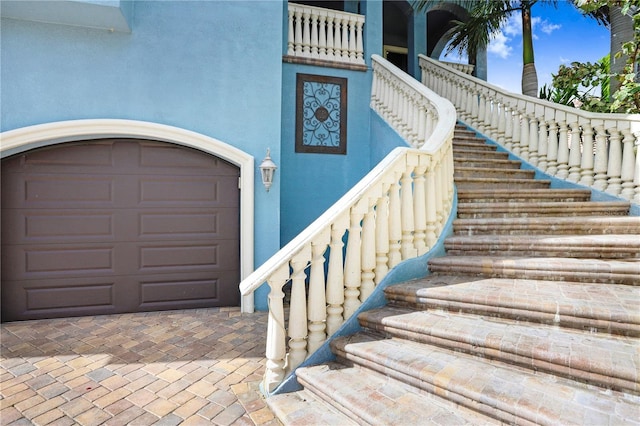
(541, 268)
(623, 246)
(487, 162)
(518, 209)
(461, 153)
(303, 408)
(596, 308)
(486, 183)
(587, 225)
(510, 394)
(368, 398)
(602, 360)
(483, 195)
(474, 144)
(492, 173)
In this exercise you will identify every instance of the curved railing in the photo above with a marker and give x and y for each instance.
(396, 212)
(596, 150)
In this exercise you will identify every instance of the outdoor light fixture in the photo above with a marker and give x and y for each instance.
(267, 169)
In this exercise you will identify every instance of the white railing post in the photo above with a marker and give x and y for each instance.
(276, 346)
(586, 165)
(628, 165)
(614, 184)
(575, 148)
(317, 300)
(335, 277)
(298, 310)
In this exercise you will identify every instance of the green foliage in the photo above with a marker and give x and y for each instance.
(581, 85)
(576, 85)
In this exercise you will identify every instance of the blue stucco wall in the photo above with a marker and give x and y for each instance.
(311, 182)
(213, 67)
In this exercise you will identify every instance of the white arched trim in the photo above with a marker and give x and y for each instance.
(27, 138)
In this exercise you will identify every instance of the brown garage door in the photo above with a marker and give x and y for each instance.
(114, 226)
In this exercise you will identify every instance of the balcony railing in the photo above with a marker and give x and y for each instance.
(596, 150)
(325, 35)
(396, 212)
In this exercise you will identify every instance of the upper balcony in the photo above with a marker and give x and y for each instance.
(325, 37)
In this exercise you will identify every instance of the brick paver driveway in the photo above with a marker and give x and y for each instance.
(196, 367)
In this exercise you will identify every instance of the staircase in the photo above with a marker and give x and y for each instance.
(532, 317)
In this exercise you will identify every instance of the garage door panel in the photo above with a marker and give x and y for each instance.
(37, 190)
(48, 298)
(76, 158)
(209, 288)
(189, 224)
(171, 257)
(176, 160)
(163, 190)
(57, 261)
(42, 226)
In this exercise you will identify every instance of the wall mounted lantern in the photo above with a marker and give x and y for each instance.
(267, 170)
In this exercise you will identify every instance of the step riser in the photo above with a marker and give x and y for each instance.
(571, 252)
(482, 229)
(566, 320)
(463, 172)
(472, 183)
(583, 276)
(518, 199)
(488, 164)
(535, 360)
(543, 226)
(469, 144)
(515, 213)
(462, 154)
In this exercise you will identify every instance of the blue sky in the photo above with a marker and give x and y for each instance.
(561, 35)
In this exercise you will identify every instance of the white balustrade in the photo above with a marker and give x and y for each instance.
(325, 34)
(597, 150)
(397, 211)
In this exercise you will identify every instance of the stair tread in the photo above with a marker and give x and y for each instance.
(508, 392)
(608, 361)
(544, 225)
(379, 400)
(504, 192)
(574, 269)
(303, 408)
(585, 304)
(605, 242)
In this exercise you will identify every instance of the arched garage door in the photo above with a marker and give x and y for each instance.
(114, 226)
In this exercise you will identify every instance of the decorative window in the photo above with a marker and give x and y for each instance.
(321, 114)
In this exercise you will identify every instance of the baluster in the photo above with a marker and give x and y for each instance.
(615, 162)
(314, 35)
(359, 44)
(345, 39)
(601, 158)
(515, 145)
(382, 234)
(533, 140)
(322, 36)
(542, 145)
(353, 262)
(395, 227)
(502, 123)
(482, 106)
(494, 118)
(406, 199)
(335, 277)
(586, 166)
(575, 156)
(628, 165)
(290, 36)
(431, 205)
(563, 151)
(317, 303)
(441, 195)
(276, 344)
(298, 310)
(636, 173)
(331, 48)
(306, 34)
(352, 41)
(368, 254)
(508, 127)
(552, 148)
(419, 207)
(475, 107)
(523, 148)
(298, 35)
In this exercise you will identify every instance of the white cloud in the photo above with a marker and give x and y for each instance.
(498, 45)
(548, 27)
(564, 60)
(513, 26)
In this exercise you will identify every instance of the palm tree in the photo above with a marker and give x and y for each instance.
(485, 19)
